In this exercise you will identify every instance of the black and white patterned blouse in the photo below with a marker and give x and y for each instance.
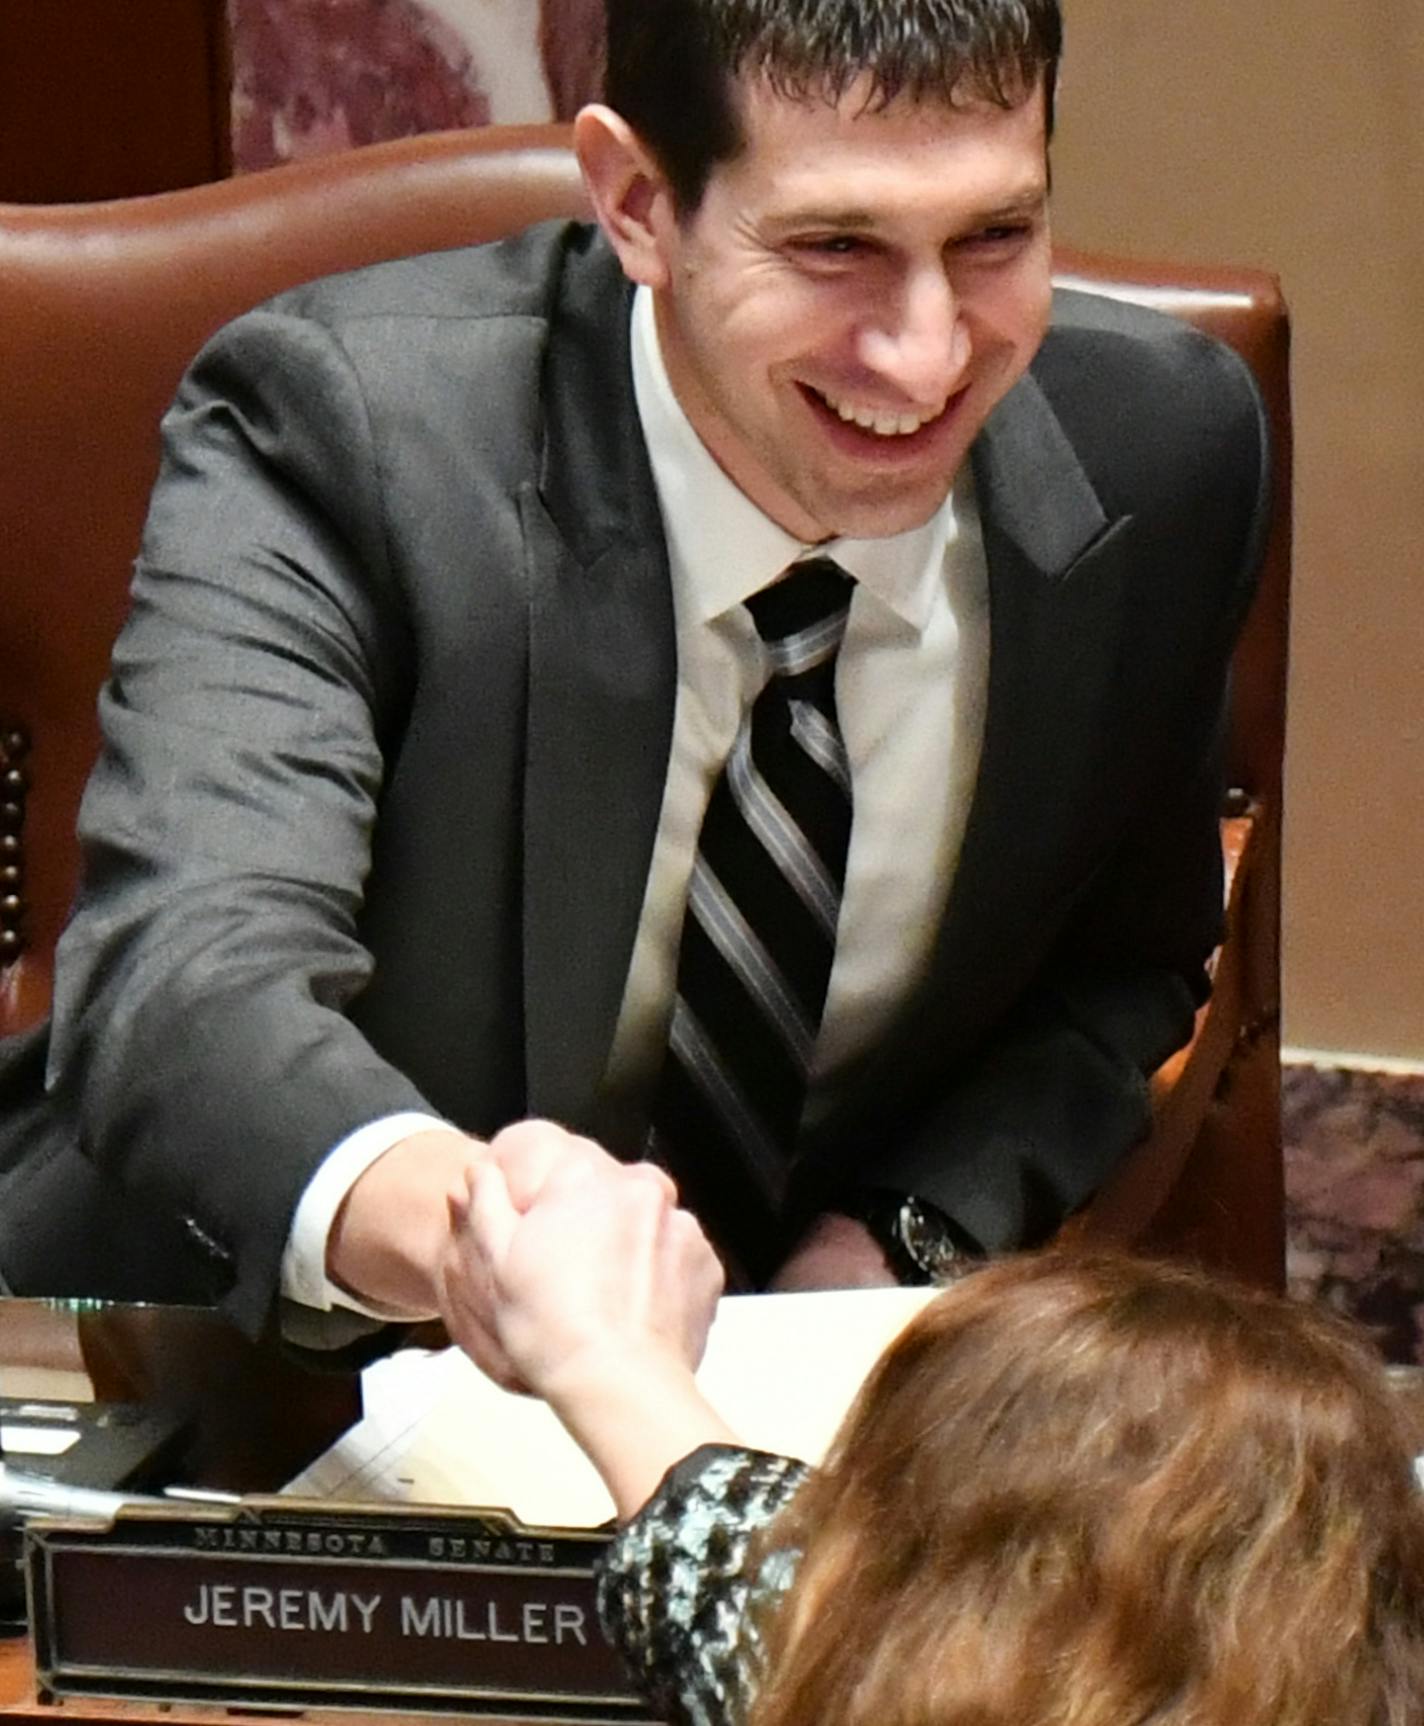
(674, 1590)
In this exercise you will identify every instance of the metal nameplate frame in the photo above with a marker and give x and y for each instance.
(278, 1603)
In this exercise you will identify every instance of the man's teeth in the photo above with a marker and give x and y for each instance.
(876, 420)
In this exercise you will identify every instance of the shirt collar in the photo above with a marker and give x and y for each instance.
(722, 548)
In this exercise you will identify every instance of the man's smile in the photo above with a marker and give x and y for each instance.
(864, 429)
(884, 422)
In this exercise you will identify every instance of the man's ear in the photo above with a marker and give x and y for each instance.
(629, 192)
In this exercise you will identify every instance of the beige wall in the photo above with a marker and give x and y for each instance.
(1290, 133)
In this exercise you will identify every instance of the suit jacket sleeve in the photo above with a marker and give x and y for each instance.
(304, 844)
(199, 1035)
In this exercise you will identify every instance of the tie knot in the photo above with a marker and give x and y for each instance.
(802, 617)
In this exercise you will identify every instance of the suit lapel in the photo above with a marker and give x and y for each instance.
(1056, 569)
(602, 682)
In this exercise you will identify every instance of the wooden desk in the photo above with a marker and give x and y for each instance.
(254, 1416)
(18, 1702)
(257, 1418)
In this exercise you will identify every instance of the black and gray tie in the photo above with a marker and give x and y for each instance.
(759, 933)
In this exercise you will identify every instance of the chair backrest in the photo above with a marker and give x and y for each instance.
(103, 305)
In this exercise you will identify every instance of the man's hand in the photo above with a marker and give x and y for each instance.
(836, 1252)
(387, 1237)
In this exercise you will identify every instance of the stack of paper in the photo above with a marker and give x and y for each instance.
(782, 1369)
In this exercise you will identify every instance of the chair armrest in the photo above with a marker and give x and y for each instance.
(1183, 1087)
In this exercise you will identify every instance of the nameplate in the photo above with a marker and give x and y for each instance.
(281, 1604)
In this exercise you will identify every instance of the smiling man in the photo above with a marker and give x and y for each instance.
(739, 684)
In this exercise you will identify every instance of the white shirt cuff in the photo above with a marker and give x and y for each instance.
(304, 1277)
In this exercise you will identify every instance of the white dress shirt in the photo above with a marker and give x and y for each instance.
(911, 687)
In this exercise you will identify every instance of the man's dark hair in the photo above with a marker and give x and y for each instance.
(672, 63)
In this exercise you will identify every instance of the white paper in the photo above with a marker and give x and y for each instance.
(781, 1369)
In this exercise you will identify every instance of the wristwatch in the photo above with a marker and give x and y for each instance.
(921, 1244)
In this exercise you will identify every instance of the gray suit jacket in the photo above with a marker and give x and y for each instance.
(385, 745)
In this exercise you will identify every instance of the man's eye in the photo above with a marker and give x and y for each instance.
(1001, 234)
(833, 245)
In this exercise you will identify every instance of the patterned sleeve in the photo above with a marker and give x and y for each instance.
(673, 1589)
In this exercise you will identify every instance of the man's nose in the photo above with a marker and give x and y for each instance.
(917, 341)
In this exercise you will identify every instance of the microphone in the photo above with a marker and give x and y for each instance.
(23, 1495)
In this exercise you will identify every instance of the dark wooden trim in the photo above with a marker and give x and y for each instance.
(14, 789)
(107, 99)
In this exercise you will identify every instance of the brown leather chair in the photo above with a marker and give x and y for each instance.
(101, 307)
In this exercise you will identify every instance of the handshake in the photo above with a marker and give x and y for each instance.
(579, 1278)
(561, 1260)
(564, 1272)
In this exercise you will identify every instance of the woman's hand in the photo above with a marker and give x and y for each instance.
(526, 1153)
(599, 1291)
(598, 1267)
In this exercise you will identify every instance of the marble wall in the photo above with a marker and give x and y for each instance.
(1355, 1198)
(311, 76)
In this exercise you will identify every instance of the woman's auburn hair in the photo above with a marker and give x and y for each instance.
(1083, 1490)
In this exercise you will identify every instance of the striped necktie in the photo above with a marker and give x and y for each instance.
(759, 932)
